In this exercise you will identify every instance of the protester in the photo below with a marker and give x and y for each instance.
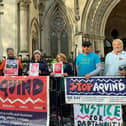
(115, 61)
(11, 58)
(67, 69)
(88, 63)
(58, 97)
(37, 58)
(115, 64)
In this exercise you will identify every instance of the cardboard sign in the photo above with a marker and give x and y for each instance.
(34, 69)
(11, 67)
(24, 101)
(58, 69)
(97, 115)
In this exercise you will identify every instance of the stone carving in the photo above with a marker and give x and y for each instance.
(35, 4)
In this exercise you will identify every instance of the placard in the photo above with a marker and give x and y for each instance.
(34, 69)
(11, 67)
(58, 69)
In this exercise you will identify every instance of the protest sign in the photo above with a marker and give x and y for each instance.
(97, 90)
(34, 69)
(11, 67)
(24, 101)
(97, 115)
(58, 69)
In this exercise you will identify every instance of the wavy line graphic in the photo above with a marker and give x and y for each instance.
(77, 80)
(116, 94)
(23, 102)
(112, 118)
(101, 80)
(78, 116)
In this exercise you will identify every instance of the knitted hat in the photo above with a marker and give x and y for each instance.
(36, 52)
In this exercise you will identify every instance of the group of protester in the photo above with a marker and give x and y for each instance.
(88, 63)
(36, 58)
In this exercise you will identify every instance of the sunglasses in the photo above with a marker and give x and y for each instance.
(86, 46)
(122, 68)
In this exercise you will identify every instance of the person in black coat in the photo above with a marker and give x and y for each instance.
(58, 84)
(37, 58)
(67, 68)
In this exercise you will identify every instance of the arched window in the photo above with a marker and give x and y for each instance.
(54, 44)
(59, 36)
(64, 43)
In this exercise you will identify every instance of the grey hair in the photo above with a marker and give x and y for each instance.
(10, 49)
(118, 40)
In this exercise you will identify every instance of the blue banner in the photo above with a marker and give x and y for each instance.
(105, 90)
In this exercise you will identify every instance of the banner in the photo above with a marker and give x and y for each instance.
(23, 101)
(97, 115)
(97, 90)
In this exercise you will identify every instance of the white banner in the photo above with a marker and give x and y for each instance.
(97, 115)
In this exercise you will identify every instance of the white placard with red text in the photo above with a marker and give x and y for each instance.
(58, 69)
(34, 69)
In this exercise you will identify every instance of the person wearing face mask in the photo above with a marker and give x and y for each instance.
(11, 58)
(37, 58)
(115, 61)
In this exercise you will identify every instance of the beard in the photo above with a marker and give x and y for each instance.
(118, 49)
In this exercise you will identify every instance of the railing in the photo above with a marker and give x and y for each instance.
(60, 112)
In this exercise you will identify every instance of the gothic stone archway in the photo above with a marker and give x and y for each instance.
(94, 20)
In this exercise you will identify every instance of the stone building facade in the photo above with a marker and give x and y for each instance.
(55, 26)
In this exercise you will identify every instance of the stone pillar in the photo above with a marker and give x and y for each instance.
(23, 44)
(59, 42)
(77, 44)
(1, 31)
(76, 8)
(99, 42)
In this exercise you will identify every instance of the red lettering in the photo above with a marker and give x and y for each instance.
(84, 87)
(89, 86)
(73, 87)
(79, 86)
